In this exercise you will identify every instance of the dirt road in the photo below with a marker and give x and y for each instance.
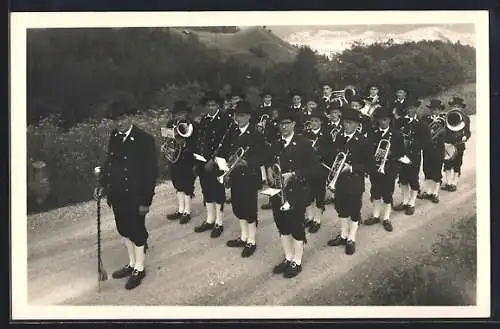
(187, 268)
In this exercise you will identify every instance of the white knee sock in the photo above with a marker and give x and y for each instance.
(449, 177)
(429, 186)
(413, 197)
(309, 212)
(376, 208)
(263, 173)
(298, 251)
(405, 191)
(187, 204)
(244, 230)
(139, 256)
(218, 214)
(210, 212)
(437, 186)
(131, 252)
(387, 210)
(317, 214)
(252, 232)
(286, 242)
(180, 201)
(456, 176)
(353, 228)
(344, 227)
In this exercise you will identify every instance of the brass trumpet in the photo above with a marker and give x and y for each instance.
(382, 153)
(335, 170)
(277, 181)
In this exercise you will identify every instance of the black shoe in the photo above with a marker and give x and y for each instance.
(372, 220)
(338, 241)
(217, 231)
(281, 267)
(400, 207)
(205, 226)
(174, 216)
(123, 272)
(453, 188)
(350, 247)
(185, 218)
(266, 206)
(423, 195)
(135, 279)
(292, 270)
(410, 210)
(248, 250)
(387, 225)
(236, 243)
(314, 227)
(445, 187)
(434, 198)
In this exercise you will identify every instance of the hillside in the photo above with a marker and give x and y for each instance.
(255, 46)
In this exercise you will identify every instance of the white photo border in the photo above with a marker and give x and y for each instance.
(20, 22)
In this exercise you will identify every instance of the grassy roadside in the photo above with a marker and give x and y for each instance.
(445, 277)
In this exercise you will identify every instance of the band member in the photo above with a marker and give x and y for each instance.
(128, 178)
(321, 142)
(414, 135)
(295, 156)
(298, 108)
(244, 179)
(327, 97)
(181, 171)
(334, 128)
(271, 134)
(264, 114)
(387, 147)
(209, 138)
(372, 103)
(356, 103)
(399, 104)
(433, 152)
(350, 185)
(461, 132)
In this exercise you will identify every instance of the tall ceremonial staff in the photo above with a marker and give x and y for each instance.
(102, 275)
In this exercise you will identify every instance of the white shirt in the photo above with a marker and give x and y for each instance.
(243, 129)
(316, 131)
(349, 136)
(267, 104)
(336, 123)
(127, 133)
(288, 139)
(411, 118)
(384, 131)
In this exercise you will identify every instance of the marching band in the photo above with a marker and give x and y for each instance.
(301, 155)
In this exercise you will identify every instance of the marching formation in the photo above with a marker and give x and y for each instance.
(304, 155)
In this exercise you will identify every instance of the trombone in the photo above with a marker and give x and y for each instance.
(232, 163)
(335, 170)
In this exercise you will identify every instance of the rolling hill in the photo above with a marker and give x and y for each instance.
(255, 46)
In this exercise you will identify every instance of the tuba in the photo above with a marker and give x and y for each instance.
(437, 126)
(454, 125)
(345, 94)
(175, 139)
(381, 154)
(233, 161)
(276, 181)
(335, 170)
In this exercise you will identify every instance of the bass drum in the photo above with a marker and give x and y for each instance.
(450, 151)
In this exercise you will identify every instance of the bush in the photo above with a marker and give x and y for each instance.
(447, 277)
(71, 155)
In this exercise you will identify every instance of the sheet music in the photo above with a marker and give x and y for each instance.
(167, 132)
(221, 163)
(270, 191)
(199, 157)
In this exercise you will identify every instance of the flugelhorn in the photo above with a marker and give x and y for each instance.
(382, 153)
(345, 94)
(232, 163)
(335, 170)
(261, 125)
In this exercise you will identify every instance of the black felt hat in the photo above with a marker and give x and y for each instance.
(181, 106)
(435, 104)
(286, 114)
(382, 113)
(457, 101)
(211, 96)
(243, 107)
(351, 115)
(119, 108)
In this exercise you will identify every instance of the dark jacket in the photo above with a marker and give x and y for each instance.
(396, 149)
(358, 156)
(417, 136)
(131, 167)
